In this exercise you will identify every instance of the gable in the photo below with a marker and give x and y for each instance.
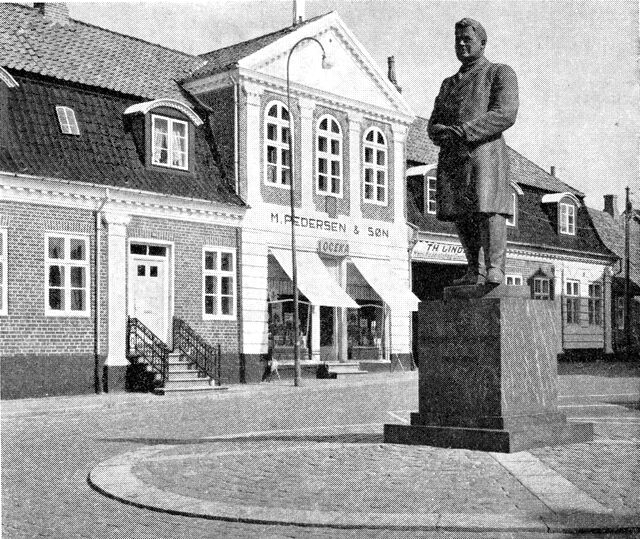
(354, 76)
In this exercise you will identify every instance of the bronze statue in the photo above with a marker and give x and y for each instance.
(472, 110)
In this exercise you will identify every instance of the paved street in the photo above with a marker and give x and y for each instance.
(50, 446)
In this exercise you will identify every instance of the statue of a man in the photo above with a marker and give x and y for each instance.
(472, 110)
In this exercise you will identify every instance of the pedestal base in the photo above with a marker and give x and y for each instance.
(499, 441)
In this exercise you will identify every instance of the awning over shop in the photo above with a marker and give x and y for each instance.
(387, 283)
(314, 280)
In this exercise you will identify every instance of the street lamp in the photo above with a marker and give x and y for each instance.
(294, 267)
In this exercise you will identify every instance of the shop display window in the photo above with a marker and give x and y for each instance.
(281, 323)
(365, 331)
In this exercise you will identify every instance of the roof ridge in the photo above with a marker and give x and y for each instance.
(261, 36)
(544, 171)
(84, 23)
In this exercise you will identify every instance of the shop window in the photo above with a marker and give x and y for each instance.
(511, 221)
(66, 280)
(67, 121)
(218, 283)
(329, 157)
(375, 167)
(277, 138)
(365, 331)
(595, 304)
(513, 280)
(430, 192)
(567, 218)
(572, 302)
(281, 323)
(541, 288)
(169, 142)
(3, 273)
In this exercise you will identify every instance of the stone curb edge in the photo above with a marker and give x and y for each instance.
(115, 479)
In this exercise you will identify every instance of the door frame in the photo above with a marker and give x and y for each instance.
(169, 285)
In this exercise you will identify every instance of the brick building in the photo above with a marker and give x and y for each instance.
(115, 204)
(552, 247)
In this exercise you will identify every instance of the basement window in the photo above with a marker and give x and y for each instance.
(67, 119)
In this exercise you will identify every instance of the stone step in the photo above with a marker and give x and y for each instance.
(338, 375)
(186, 375)
(177, 390)
(188, 382)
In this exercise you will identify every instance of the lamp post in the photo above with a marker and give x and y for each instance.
(294, 267)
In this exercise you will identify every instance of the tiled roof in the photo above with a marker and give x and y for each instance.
(612, 233)
(420, 149)
(105, 153)
(90, 55)
(226, 58)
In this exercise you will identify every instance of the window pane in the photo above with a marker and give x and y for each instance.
(368, 155)
(226, 261)
(334, 126)
(157, 250)
(322, 144)
(56, 275)
(335, 185)
(322, 165)
(141, 270)
(335, 168)
(380, 138)
(78, 277)
(381, 178)
(77, 248)
(56, 299)
(323, 124)
(210, 284)
(161, 125)
(227, 305)
(226, 285)
(153, 271)
(368, 192)
(56, 247)
(271, 132)
(273, 111)
(272, 176)
(285, 114)
(381, 157)
(179, 159)
(209, 305)
(210, 260)
(77, 300)
(179, 129)
(381, 193)
(138, 249)
(272, 154)
(370, 136)
(322, 182)
(286, 177)
(286, 136)
(286, 158)
(335, 147)
(368, 176)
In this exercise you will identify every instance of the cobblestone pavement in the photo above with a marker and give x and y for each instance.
(49, 447)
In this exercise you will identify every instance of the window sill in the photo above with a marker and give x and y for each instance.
(374, 203)
(65, 314)
(219, 317)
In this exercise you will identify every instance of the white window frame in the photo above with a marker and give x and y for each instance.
(513, 220)
(219, 273)
(170, 144)
(515, 278)
(567, 213)
(4, 281)
(67, 120)
(278, 144)
(428, 191)
(572, 297)
(329, 157)
(595, 304)
(67, 263)
(375, 148)
(541, 294)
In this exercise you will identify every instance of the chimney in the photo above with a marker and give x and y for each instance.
(611, 205)
(553, 171)
(298, 11)
(54, 11)
(391, 61)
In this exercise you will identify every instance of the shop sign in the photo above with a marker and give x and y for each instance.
(329, 225)
(438, 251)
(333, 248)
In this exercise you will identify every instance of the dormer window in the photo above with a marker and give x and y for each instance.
(169, 142)
(567, 219)
(67, 119)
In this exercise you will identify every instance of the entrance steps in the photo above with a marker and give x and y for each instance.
(337, 369)
(185, 377)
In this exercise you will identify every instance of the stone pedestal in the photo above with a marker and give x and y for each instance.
(488, 374)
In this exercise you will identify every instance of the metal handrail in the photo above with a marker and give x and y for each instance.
(142, 341)
(205, 356)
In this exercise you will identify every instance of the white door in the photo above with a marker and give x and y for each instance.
(149, 293)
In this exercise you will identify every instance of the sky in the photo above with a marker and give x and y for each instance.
(576, 61)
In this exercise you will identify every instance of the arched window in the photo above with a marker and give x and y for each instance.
(329, 157)
(277, 145)
(375, 167)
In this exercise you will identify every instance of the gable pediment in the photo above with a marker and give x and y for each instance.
(353, 75)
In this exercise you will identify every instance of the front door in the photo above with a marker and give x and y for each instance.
(148, 299)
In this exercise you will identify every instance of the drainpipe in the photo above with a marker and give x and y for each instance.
(236, 134)
(97, 379)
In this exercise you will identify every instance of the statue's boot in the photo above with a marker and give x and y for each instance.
(470, 239)
(493, 238)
